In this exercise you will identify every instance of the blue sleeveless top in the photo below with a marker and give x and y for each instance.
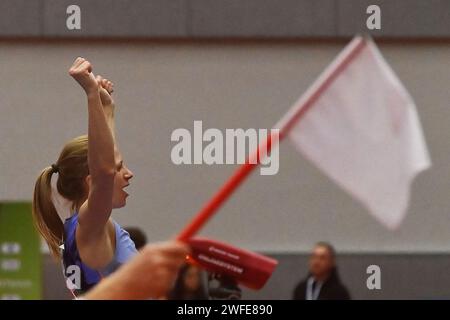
(125, 250)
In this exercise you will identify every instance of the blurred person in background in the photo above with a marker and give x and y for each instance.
(222, 287)
(138, 236)
(322, 281)
(189, 285)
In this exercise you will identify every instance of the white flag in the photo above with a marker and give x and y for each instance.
(360, 126)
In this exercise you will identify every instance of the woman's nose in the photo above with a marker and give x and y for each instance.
(129, 174)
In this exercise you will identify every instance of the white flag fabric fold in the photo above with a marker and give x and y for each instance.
(360, 126)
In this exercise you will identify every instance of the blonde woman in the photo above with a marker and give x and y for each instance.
(91, 174)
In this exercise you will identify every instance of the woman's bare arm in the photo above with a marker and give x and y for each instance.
(92, 233)
(106, 90)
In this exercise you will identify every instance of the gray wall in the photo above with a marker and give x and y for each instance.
(164, 86)
(224, 18)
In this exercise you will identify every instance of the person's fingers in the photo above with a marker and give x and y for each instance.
(173, 264)
(110, 86)
(174, 250)
(107, 85)
(99, 79)
(84, 67)
(176, 247)
(75, 65)
(170, 256)
(77, 62)
(154, 270)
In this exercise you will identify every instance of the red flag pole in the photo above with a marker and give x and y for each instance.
(224, 192)
(231, 185)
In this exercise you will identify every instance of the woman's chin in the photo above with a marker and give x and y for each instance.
(120, 204)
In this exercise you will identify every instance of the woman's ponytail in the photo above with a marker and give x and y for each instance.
(45, 216)
(72, 168)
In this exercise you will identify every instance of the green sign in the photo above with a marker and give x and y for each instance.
(20, 255)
